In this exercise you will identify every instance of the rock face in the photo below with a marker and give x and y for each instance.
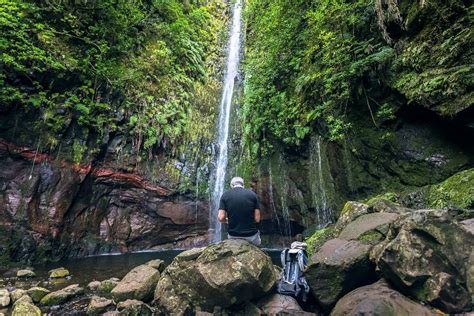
(337, 268)
(83, 210)
(138, 284)
(429, 255)
(222, 274)
(378, 299)
(62, 296)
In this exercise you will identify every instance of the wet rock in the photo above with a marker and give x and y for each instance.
(58, 273)
(158, 264)
(337, 268)
(138, 284)
(107, 286)
(366, 223)
(134, 308)
(93, 285)
(61, 296)
(25, 308)
(99, 305)
(25, 273)
(17, 294)
(222, 274)
(4, 298)
(37, 293)
(428, 255)
(278, 303)
(378, 299)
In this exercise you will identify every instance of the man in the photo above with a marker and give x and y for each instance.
(240, 209)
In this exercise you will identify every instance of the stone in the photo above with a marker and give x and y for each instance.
(138, 284)
(98, 305)
(428, 256)
(37, 293)
(17, 294)
(93, 285)
(277, 303)
(134, 308)
(222, 274)
(158, 264)
(25, 273)
(366, 223)
(378, 299)
(349, 213)
(24, 299)
(4, 298)
(62, 296)
(25, 309)
(337, 268)
(58, 273)
(107, 286)
(112, 313)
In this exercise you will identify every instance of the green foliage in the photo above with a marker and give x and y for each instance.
(133, 67)
(305, 63)
(455, 192)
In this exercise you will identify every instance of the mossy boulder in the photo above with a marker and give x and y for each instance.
(158, 264)
(379, 299)
(25, 273)
(318, 238)
(138, 284)
(25, 308)
(107, 286)
(58, 273)
(367, 223)
(17, 294)
(222, 274)
(62, 296)
(349, 213)
(337, 268)
(427, 255)
(37, 293)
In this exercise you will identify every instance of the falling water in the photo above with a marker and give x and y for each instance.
(272, 200)
(284, 196)
(232, 68)
(319, 197)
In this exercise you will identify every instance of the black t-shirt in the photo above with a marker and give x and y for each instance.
(240, 205)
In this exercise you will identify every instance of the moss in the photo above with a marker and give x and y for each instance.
(455, 192)
(389, 196)
(319, 237)
(371, 236)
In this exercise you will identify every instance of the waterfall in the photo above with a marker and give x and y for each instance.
(232, 68)
(319, 196)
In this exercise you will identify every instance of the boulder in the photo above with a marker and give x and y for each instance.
(367, 223)
(337, 268)
(37, 293)
(378, 299)
(25, 308)
(138, 284)
(4, 298)
(25, 273)
(93, 285)
(107, 286)
(277, 303)
(158, 264)
(98, 305)
(58, 273)
(61, 296)
(222, 274)
(17, 294)
(349, 213)
(134, 308)
(23, 299)
(428, 255)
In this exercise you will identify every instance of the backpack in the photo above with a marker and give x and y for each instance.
(292, 281)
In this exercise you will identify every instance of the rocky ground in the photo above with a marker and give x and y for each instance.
(378, 259)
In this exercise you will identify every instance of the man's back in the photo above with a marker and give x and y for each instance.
(240, 205)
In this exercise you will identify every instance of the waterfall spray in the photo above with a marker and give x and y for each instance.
(232, 68)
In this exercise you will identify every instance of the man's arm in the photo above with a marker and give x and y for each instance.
(221, 216)
(257, 215)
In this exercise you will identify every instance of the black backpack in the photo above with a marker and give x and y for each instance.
(292, 281)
